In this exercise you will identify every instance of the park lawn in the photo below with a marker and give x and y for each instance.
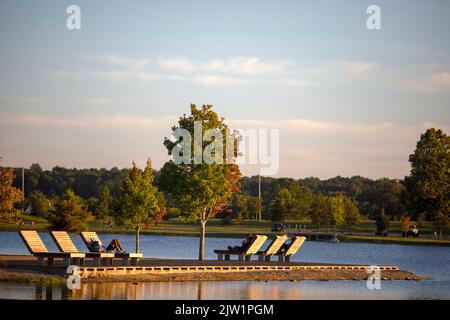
(362, 232)
(395, 240)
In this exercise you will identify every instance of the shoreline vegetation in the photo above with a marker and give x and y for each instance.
(217, 229)
(292, 275)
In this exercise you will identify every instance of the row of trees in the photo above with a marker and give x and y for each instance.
(96, 186)
(200, 190)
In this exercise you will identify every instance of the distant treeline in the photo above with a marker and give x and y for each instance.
(369, 195)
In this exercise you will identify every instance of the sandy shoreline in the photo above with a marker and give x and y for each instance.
(293, 275)
(25, 269)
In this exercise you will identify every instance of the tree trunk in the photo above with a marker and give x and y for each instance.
(201, 253)
(138, 229)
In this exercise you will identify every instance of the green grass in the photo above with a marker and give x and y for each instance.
(395, 240)
(46, 280)
(362, 232)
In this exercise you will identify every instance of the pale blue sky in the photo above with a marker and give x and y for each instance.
(347, 100)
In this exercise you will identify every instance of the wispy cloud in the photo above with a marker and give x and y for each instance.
(308, 147)
(251, 66)
(180, 64)
(125, 61)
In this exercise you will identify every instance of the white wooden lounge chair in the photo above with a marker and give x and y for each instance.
(246, 255)
(36, 246)
(127, 257)
(293, 248)
(66, 245)
(273, 248)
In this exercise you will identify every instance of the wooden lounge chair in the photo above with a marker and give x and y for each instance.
(273, 248)
(66, 245)
(127, 257)
(36, 246)
(292, 249)
(247, 254)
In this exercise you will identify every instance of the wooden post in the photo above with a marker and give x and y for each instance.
(201, 253)
(138, 228)
(259, 196)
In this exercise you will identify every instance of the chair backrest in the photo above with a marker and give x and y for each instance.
(33, 241)
(88, 237)
(295, 246)
(63, 241)
(276, 244)
(255, 245)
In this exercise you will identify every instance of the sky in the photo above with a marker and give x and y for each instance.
(347, 100)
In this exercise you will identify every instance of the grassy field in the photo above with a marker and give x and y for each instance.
(362, 232)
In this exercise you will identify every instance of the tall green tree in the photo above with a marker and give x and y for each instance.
(337, 206)
(281, 205)
(104, 209)
(40, 204)
(428, 186)
(70, 213)
(382, 222)
(239, 204)
(10, 196)
(320, 210)
(138, 200)
(441, 223)
(201, 188)
(351, 212)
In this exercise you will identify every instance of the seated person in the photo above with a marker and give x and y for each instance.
(285, 246)
(115, 246)
(95, 246)
(245, 244)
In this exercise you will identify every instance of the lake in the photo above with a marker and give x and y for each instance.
(429, 261)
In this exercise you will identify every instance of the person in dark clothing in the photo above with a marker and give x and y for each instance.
(245, 244)
(95, 246)
(115, 246)
(285, 247)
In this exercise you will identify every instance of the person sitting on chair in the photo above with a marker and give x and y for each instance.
(284, 247)
(115, 246)
(95, 246)
(245, 244)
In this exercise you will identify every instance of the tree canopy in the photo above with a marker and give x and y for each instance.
(198, 188)
(428, 186)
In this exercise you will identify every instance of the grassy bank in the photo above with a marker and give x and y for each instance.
(394, 240)
(362, 232)
(18, 277)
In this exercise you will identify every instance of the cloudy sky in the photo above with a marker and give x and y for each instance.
(347, 100)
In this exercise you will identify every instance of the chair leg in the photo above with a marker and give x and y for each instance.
(98, 261)
(227, 257)
(248, 258)
(287, 258)
(41, 260)
(241, 257)
(261, 258)
(220, 256)
(280, 258)
(125, 261)
(267, 258)
(66, 261)
(51, 261)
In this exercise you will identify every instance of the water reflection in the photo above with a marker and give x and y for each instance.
(230, 290)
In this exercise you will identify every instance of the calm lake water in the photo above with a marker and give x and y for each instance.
(432, 262)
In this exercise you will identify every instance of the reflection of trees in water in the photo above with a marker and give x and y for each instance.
(258, 291)
(39, 291)
(199, 290)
